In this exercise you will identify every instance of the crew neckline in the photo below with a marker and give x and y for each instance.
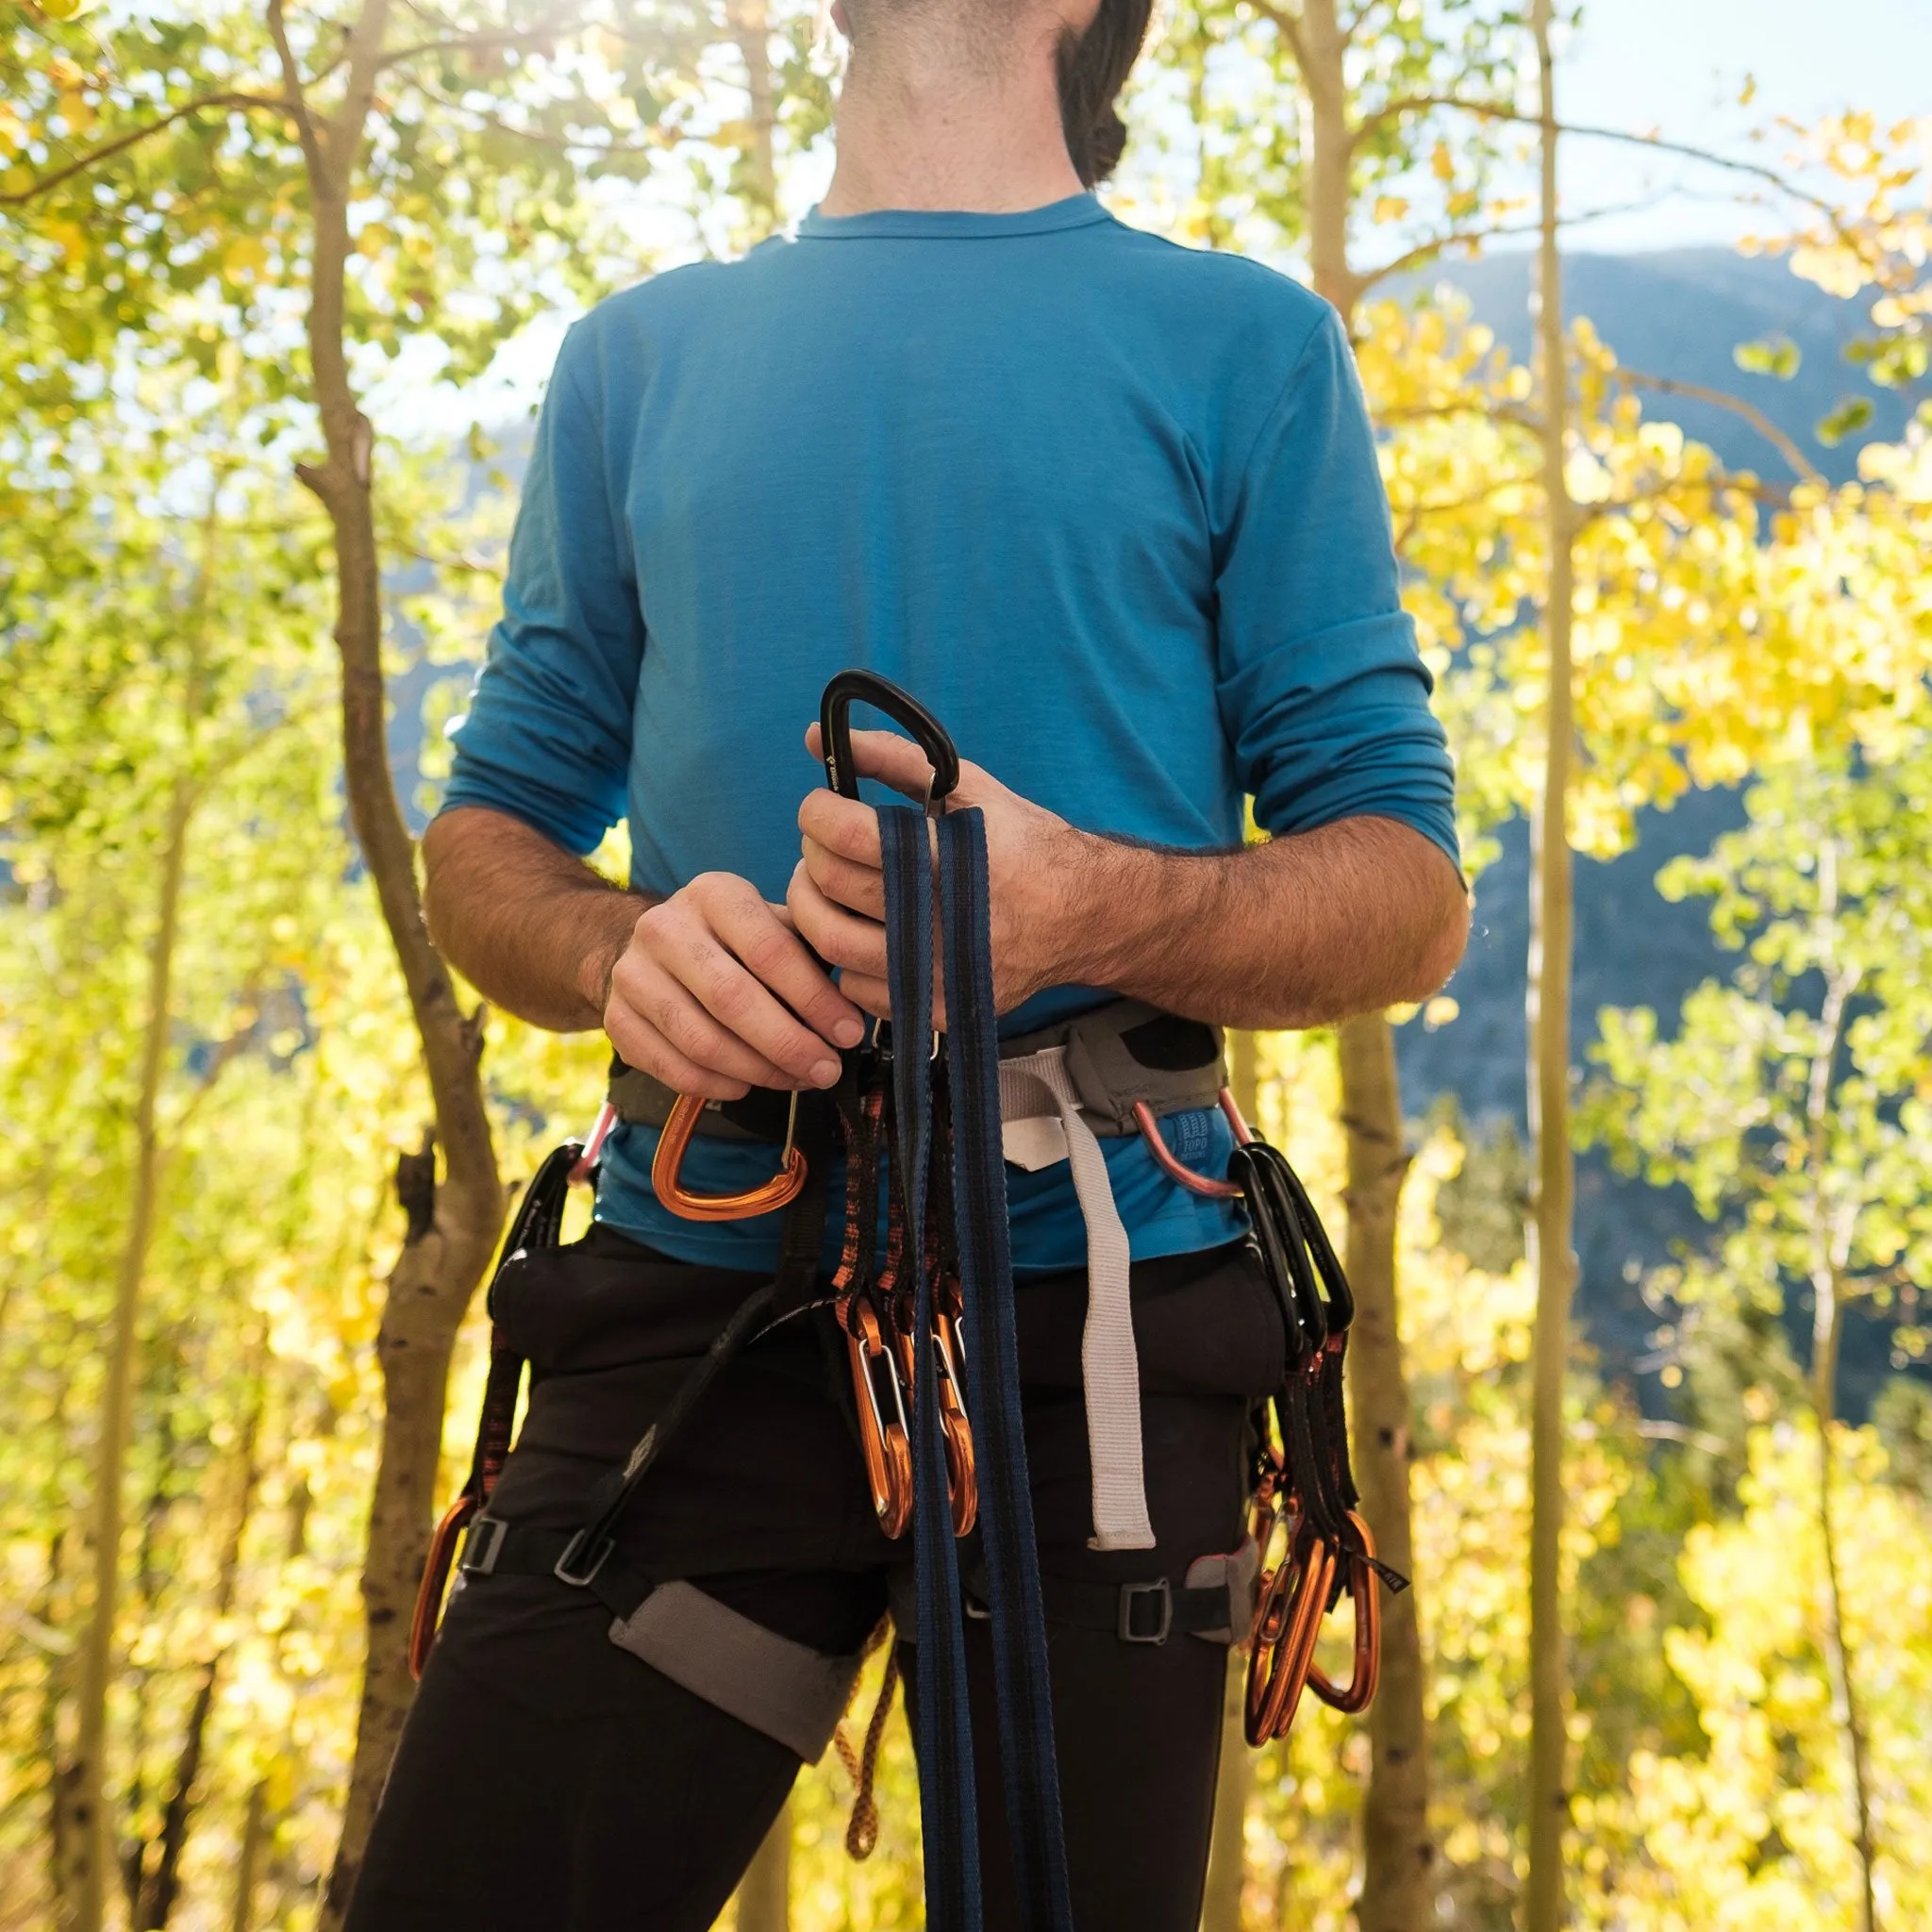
(952, 224)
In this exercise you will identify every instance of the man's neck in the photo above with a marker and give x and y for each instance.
(919, 130)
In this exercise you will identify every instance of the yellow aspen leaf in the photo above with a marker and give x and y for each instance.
(77, 111)
(376, 237)
(66, 73)
(1390, 208)
(243, 257)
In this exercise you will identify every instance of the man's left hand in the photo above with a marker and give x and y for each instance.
(838, 894)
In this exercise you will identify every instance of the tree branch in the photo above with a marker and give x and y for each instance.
(561, 144)
(1287, 27)
(1506, 110)
(1725, 482)
(1458, 238)
(365, 60)
(121, 143)
(1722, 399)
(1490, 410)
(293, 96)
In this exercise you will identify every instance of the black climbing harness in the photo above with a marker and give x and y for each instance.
(928, 1319)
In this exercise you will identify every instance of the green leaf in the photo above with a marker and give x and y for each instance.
(1773, 356)
(1847, 417)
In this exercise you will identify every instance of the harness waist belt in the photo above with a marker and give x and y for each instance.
(1118, 1054)
(1061, 1088)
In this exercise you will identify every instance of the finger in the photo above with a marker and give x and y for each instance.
(639, 1044)
(649, 1003)
(700, 959)
(898, 762)
(860, 888)
(762, 937)
(868, 993)
(875, 997)
(839, 937)
(841, 825)
(885, 756)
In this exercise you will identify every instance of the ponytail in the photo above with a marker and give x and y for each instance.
(1093, 67)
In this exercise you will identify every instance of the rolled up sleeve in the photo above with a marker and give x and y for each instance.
(547, 735)
(1322, 692)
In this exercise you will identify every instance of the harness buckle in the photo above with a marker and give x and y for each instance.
(1132, 1628)
(566, 1572)
(482, 1545)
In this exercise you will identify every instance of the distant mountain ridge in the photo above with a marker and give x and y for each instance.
(1676, 314)
(1681, 314)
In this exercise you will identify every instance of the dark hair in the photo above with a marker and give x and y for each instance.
(1093, 68)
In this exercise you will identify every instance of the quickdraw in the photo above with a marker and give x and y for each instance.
(875, 1304)
(538, 1224)
(1315, 1546)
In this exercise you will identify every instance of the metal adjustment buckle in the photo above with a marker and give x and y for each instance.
(1131, 1594)
(581, 1579)
(482, 1544)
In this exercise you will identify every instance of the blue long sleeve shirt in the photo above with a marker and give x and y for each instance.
(1108, 507)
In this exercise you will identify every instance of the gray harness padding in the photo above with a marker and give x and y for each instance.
(785, 1690)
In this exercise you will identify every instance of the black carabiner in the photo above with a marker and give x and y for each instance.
(851, 688)
(1278, 1234)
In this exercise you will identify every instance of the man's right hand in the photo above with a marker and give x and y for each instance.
(715, 994)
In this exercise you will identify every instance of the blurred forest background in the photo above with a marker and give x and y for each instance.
(270, 279)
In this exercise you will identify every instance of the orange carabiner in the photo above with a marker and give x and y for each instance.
(962, 1473)
(962, 1476)
(883, 1441)
(779, 1191)
(1360, 1692)
(430, 1591)
(1294, 1598)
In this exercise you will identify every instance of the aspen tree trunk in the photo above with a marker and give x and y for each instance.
(87, 1812)
(162, 1888)
(764, 1893)
(1227, 1863)
(1548, 1016)
(248, 1858)
(1828, 1243)
(452, 1228)
(1398, 1855)
(1221, 1903)
(751, 27)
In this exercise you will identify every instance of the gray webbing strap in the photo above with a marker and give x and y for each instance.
(782, 1689)
(1109, 1367)
(1238, 1572)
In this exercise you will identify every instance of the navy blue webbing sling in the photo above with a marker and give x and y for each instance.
(967, 1066)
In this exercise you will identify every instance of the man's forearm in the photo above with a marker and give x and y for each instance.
(535, 930)
(1300, 931)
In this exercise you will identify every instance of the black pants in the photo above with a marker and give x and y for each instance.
(549, 1782)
